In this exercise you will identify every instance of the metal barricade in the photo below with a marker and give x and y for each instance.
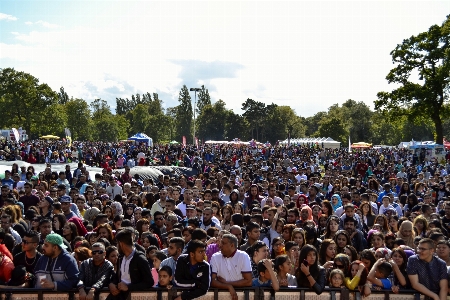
(250, 293)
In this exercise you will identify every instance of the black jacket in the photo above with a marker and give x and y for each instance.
(140, 273)
(198, 281)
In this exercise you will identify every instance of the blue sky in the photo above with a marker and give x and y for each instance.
(305, 54)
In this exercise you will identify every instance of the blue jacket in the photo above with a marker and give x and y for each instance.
(63, 269)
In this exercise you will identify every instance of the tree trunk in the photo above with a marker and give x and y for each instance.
(438, 127)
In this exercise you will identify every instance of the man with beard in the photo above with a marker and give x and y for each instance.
(57, 269)
(133, 272)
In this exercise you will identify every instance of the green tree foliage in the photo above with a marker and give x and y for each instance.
(359, 117)
(107, 127)
(183, 120)
(141, 118)
(255, 114)
(211, 122)
(334, 124)
(23, 100)
(51, 121)
(203, 100)
(312, 123)
(426, 55)
(236, 126)
(79, 119)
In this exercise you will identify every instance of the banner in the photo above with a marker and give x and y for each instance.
(16, 134)
(349, 145)
(196, 142)
(184, 141)
(68, 136)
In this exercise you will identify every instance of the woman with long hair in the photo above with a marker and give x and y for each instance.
(351, 252)
(358, 273)
(105, 231)
(310, 274)
(112, 254)
(59, 220)
(406, 233)
(411, 201)
(420, 226)
(257, 252)
(327, 251)
(327, 209)
(367, 214)
(253, 195)
(383, 221)
(393, 223)
(227, 211)
(70, 232)
(286, 232)
(282, 267)
(342, 239)
(398, 262)
(107, 210)
(277, 247)
(331, 228)
(298, 236)
(404, 190)
(45, 207)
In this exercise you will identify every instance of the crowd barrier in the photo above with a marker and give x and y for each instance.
(249, 293)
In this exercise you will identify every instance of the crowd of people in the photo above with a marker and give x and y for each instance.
(270, 216)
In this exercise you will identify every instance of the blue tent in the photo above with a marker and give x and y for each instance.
(142, 138)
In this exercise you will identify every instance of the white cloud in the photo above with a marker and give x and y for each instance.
(7, 17)
(47, 24)
(307, 55)
(43, 24)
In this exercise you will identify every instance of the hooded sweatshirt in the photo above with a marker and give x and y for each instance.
(63, 269)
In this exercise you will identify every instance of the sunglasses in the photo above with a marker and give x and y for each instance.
(159, 219)
(97, 252)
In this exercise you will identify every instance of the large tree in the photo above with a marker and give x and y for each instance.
(79, 119)
(203, 100)
(423, 72)
(255, 114)
(184, 115)
(23, 99)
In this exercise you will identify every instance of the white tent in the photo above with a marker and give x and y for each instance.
(328, 143)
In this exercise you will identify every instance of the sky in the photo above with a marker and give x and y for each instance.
(307, 55)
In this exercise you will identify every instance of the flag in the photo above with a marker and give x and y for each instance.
(184, 141)
(349, 145)
(196, 142)
(16, 134)
(68, 136)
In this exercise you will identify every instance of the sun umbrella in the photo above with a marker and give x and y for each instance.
(50, 137)
(173, 142)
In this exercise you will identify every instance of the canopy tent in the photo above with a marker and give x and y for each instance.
(174, 142)
(141, 138)
(50, 137)
(360, 145)
(327, 143)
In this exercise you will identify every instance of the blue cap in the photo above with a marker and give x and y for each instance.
(65, 199)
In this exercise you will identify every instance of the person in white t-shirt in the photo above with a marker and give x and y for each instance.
(230, 267)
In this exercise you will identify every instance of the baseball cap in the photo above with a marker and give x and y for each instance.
(65, 199)
(49, 200)
(192, 207)
(55, 239)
